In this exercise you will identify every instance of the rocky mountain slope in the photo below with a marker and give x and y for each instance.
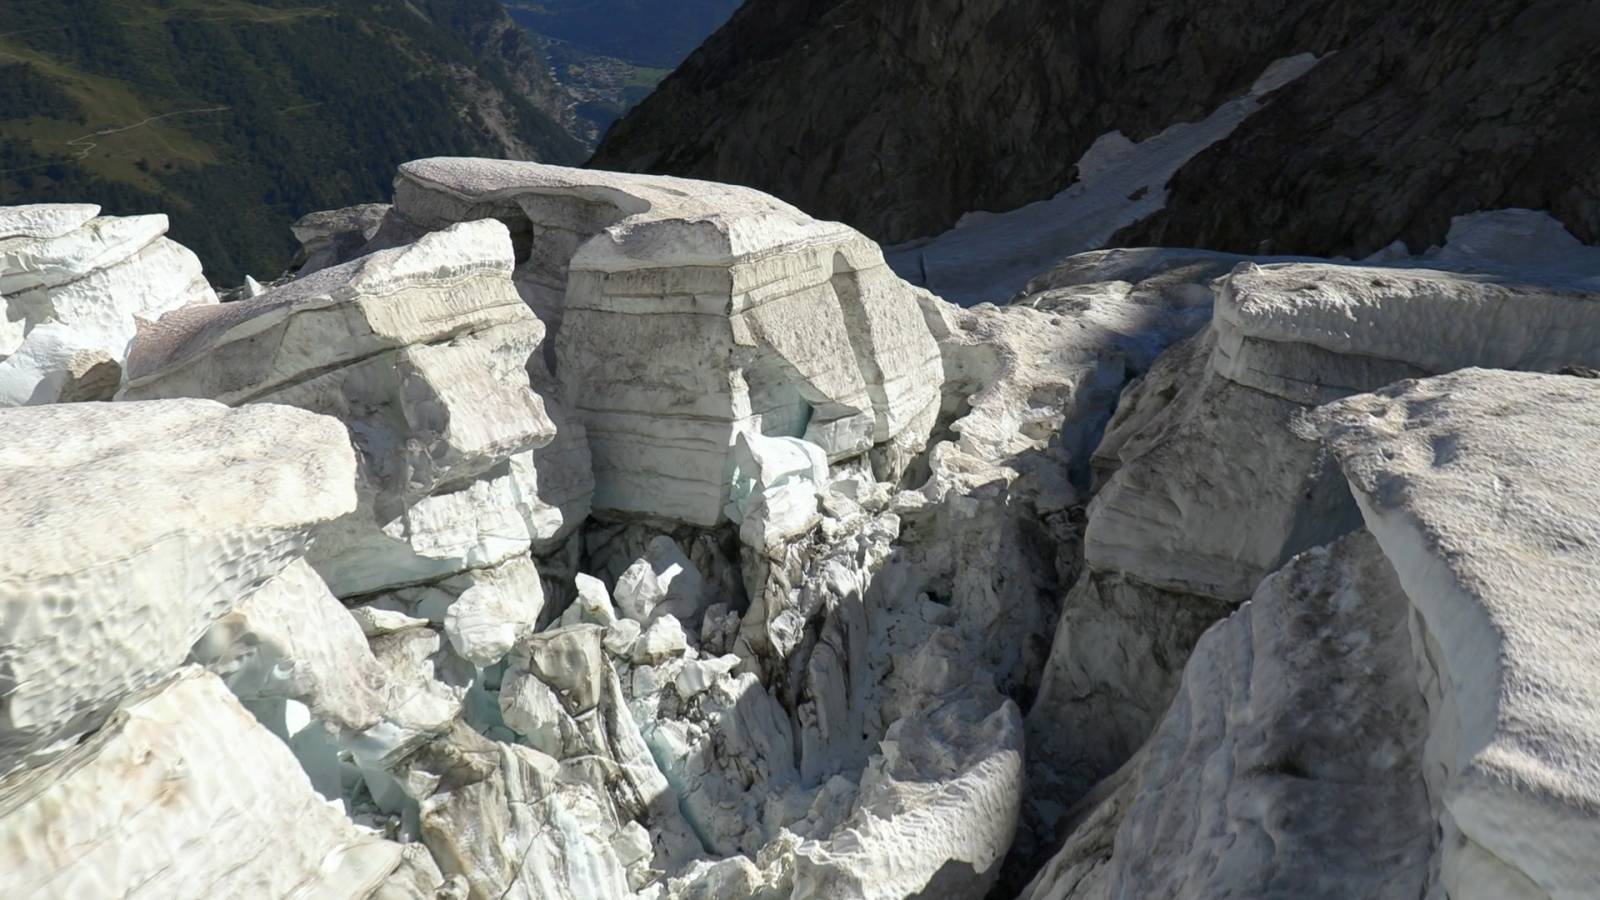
(237, 118)
(596, 89)
(900, 118)
(607, 55)
(557, 533)
(639, 31)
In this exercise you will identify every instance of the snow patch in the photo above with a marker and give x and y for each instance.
(991, 256)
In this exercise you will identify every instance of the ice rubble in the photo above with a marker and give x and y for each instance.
(74, 286)
(684, 551)
(491, 702)
(801, 730)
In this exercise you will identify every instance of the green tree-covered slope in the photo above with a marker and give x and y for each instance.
(235, 117)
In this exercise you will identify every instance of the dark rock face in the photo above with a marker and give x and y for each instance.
(899, 117)
(1441, 108)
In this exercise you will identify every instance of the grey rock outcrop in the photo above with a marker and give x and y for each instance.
(1346, 162)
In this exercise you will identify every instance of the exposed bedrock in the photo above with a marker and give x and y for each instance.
(902, 120)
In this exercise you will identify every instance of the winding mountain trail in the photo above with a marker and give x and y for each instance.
(87, 145)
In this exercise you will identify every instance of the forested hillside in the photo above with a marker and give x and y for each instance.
(238, 116)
